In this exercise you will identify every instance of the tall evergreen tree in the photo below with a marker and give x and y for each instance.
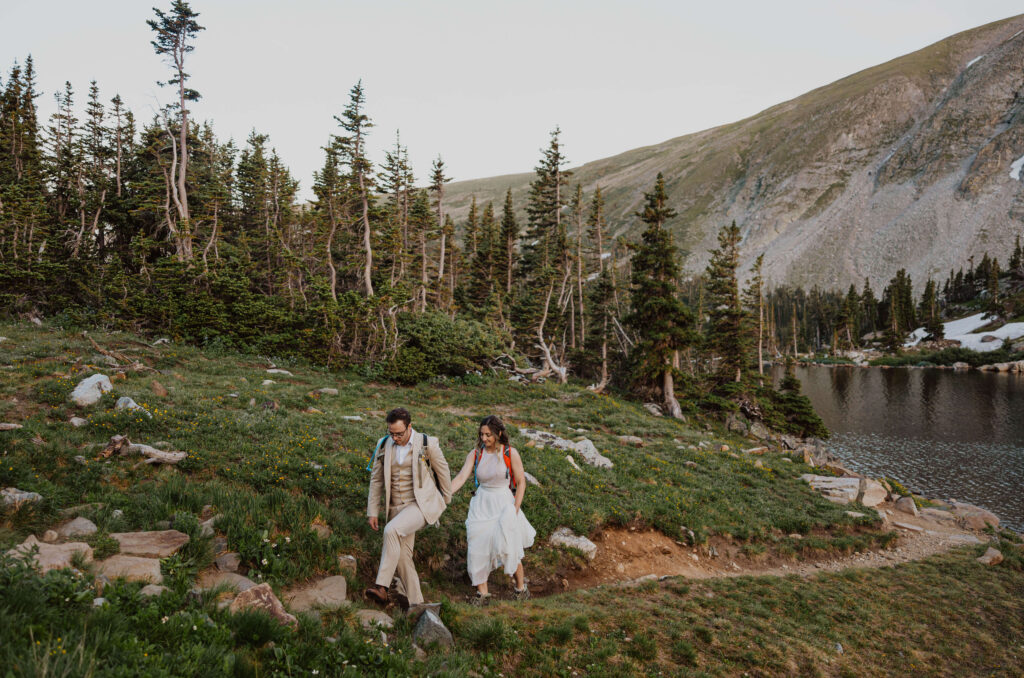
(659, 318)
(509, 238)
(753, 298)
(931, 313)
(356, 124)
(727, 335)
(437, 182)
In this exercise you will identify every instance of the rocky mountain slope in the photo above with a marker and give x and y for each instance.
(907, 164)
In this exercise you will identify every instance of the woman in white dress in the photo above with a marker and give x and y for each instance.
(497, 532)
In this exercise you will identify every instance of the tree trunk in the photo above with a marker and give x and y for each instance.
(672, 407)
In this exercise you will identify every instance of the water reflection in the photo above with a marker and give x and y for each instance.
(945, 434)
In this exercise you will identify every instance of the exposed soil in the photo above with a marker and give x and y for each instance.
(628, 556)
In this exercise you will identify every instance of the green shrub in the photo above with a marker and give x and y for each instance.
(435, 345)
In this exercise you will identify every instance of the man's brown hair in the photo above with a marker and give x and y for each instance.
(399, 414)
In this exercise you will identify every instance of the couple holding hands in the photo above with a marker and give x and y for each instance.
(409, 472)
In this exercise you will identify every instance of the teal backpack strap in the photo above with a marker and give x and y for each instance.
(476, 461)
(369, 467)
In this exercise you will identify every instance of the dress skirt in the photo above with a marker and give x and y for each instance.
(496, 534)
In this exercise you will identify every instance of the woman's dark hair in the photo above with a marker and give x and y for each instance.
(399, 414)
(497, 427)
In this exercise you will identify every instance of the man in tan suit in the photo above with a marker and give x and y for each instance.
(412, 476)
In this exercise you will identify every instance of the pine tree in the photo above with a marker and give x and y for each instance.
(509, 238)
(727, 334)
(437, 182)
(332, 204)
(994, 304)
(396, 180)
(931, 313)
(753, 299)
(356, 124)
(597, 226)
(1017, 260)
(471, 233)
(659, 318)
(175, 32)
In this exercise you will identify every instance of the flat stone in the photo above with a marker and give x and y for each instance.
(991, 557)
(228, 562)
(126, 403)
(132, 568)
(157, 544)
(431, 630)
(12, 496)
(90, 390)
(757, 450)
(4, 426)
(563, 536)
(327, 391)
(328, 593)
(267, 382)
(211, 579)
(79, 527)
(938, 515)
(836, 490)
(654, 409)
(77, 422)
(907, 505)
(52, 556)
(150, 590)
(585, 447)
(370, 618)
(871, 492)
(351, 417)
(261, 597)
(631, 440)
(908, 526)
(276, 370)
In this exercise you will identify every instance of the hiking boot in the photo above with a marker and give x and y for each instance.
(479, 599)
(521, 594)
(377, 594)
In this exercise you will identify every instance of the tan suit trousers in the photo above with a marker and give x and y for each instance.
(396, 553)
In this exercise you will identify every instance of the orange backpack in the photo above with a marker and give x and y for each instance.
(506, 454)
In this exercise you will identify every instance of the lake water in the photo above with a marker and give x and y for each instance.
(943, 434)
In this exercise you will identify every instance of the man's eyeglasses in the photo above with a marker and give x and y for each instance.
(397, 434)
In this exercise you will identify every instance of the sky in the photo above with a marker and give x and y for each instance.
(481, 83)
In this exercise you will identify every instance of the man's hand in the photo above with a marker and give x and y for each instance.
(373, 522)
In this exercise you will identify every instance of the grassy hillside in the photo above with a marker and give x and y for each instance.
(276, 461)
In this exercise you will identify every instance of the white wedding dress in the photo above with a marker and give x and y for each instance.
(496, 534)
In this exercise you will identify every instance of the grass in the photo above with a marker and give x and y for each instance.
(271, 471)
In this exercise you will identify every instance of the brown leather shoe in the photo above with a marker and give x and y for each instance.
(377, 594)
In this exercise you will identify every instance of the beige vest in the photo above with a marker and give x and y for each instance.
(401, 482)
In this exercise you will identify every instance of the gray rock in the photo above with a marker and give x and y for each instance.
(351, 417)
(347, 564)
(99, 602)
(760, 431)
(654, 409)
(871, 492)
(4, 426)
(327, 391)
(206, 527)
(992, 557)
(961, 366)
(563, 536)
(321, 530)
(631, 440)
(151, 590)
(132, 568)
(91, 389)
(212, 579)
(79, 527)
(13, 496)
(50, 537)
(51, 556)
(907, 505)
(975, 517)
(790, 442)
(261, 597)
(431, 630)
(908, 526)
(268, 382)
(220, 544)
(572, 462)
(735, 423)
(370, 618)
(228, 562)
(156, 544)
(328, 593)
(279, 371)
(690, 463)
(531, 480)
(126, 403)
(585, 448)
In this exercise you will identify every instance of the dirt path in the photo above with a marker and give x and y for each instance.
(627, 556)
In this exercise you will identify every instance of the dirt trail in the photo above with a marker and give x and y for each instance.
(626, 556)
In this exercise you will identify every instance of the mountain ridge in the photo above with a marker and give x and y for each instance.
(902, 165)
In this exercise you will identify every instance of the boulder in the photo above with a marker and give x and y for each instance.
(157, 544)
(79, 527)
(132, 568)
(327, 391)
(585, 448)
(276, 370)
(975, 517)
(991, 557)
(871, 492)
(572, 462)
(654, 409)
(431, 630)
(961, 366)
(12, 496)
(228, 562)
(563, 536)
(211, 579)
(790, 442)
(907, 505)
(328, 593)
(735, 423)
(91, 389)
(760, 431)
(938, 515)
(757, 450)
(261, 597)
(370, 618)
(836, 490)
(531, 480)
(51, 556)
(77, 422)
(126, 403)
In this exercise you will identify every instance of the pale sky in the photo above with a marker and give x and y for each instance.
(482, 83)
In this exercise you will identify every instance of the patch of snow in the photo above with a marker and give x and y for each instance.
(974, 61)
(962, 330)
(1015, 168)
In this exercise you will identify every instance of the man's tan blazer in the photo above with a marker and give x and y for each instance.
(431, 498)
